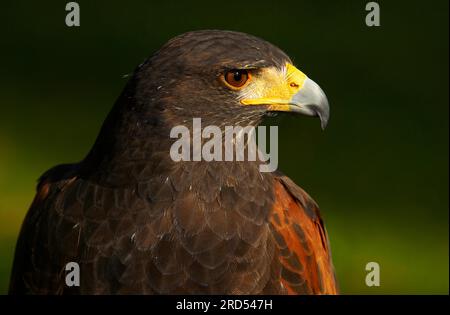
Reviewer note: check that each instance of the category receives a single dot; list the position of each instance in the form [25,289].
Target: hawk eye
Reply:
[237,78]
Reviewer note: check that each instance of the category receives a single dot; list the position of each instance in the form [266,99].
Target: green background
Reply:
[379,171]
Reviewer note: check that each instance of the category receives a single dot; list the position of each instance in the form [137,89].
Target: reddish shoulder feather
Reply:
[302,240]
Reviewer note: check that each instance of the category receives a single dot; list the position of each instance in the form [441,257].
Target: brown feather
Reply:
[302,240]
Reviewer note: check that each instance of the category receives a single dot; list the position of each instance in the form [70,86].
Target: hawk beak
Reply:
[289,90]
[310,100]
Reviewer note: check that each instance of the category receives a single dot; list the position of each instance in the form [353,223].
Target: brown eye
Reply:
[237,78]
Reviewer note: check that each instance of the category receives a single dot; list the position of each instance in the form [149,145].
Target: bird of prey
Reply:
[137,222]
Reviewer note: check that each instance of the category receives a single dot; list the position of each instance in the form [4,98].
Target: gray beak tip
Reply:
[324,115]
[312,101]
[323,125]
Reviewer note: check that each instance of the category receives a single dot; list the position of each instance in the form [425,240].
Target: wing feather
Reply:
[299,232]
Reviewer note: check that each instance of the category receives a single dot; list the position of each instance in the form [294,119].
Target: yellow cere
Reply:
[274,87]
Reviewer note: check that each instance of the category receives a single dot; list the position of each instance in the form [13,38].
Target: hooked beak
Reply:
[310,100]
[292,91]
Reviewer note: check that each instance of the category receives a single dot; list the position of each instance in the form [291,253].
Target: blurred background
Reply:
[379,171]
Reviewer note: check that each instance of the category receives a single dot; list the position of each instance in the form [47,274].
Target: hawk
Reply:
[138,222]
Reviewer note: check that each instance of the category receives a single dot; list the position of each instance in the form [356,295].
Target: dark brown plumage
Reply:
[139,223]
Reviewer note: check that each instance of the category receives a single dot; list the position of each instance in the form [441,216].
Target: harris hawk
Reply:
[138,222]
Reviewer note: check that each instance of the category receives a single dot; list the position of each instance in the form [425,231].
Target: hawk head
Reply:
[226,77]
